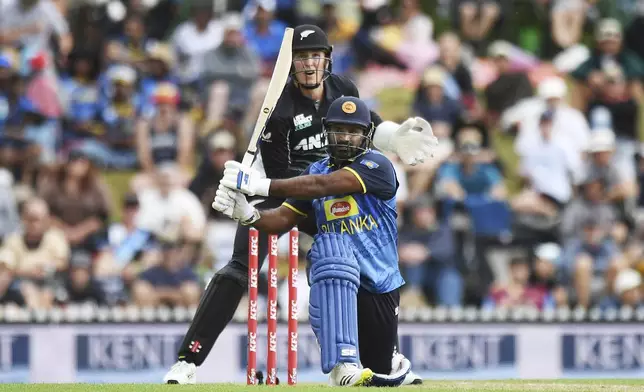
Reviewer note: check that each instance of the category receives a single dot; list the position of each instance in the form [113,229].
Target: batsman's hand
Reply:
[414,141]
[234,205]
[245,179]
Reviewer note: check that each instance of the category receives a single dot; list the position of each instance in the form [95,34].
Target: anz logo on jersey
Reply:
[310,143]
[343,216]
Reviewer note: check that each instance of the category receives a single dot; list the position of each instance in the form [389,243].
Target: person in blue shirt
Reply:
[351,193]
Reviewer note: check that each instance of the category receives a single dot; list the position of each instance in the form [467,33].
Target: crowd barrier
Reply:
[131,353]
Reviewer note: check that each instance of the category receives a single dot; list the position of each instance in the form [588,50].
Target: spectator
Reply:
[170,211]
[547,273]
[10,294]
[518,292]
[130,48]
[80,285]
[567,21]
[451,58]
[627,291]
[590,76]
[38,253]
[118,114]
[433,104]
[220,231]
[9,216]
[467,176]
[263,33]
[166,137]
[547,171]
[230,72]
[591,260]
[194,38]
[477,18]
[591,201]
[171,283]
[159,65]
[79,201]
[427,258]
[619,181]
[508,88]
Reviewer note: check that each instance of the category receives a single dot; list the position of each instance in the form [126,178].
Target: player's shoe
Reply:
[181,372]
[412,379]
[349,375]
[398,363]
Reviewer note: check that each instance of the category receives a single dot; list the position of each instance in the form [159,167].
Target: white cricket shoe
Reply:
[181,372]
[349,375]
[400,363]
[412,379]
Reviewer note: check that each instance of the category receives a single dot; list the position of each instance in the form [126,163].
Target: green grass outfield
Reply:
[437,386]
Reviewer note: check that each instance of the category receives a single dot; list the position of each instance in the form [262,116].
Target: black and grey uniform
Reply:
[292,140]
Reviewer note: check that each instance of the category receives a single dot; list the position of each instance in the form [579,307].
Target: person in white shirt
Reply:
[194,38]
[570,128]
[170,211]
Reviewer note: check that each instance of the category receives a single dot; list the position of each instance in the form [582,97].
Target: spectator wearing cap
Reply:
[80,287]
[508,88]
[619,180]
[10,294]
[427,258]
[127,251]
[264,33]
[570,128]
[80,201]
[590,201]
[38,252]
[166,137]
[433,104]
[80,97]
[169,210]
[117,117]
[231,72]
[171,283]
[591,260]
[547,272]
[194,38]
[467,176]
[627,291]
[159,67]
[590,76]
[548,173]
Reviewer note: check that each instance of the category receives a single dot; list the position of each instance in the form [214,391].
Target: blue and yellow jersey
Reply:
[368,218]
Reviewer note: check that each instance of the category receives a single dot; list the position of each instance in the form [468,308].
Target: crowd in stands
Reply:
[116,118]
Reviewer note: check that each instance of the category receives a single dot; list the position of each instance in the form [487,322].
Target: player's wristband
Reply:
[251,219]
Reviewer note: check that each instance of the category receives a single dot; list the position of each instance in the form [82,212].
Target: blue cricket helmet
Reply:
[350,111]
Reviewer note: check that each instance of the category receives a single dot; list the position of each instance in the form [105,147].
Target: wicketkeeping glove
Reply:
[413,141]
[245,179]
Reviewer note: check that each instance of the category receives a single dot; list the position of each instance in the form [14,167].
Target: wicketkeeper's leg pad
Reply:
[333,300]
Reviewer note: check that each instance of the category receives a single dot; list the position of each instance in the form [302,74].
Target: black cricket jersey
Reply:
[292,139]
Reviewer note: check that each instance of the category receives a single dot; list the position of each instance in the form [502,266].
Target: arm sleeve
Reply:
[301,207]
[275,149]
[376,175]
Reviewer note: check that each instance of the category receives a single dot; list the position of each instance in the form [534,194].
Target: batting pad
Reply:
[333,300]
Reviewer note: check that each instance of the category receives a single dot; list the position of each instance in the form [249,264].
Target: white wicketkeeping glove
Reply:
[234,205]
[245,179]
[413,141]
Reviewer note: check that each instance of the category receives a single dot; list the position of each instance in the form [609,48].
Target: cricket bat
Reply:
[275,87]
[280,75]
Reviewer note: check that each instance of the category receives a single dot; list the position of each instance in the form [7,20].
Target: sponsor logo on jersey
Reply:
[300,121]
[340,208]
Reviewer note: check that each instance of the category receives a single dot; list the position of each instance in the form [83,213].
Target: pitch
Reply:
[435,386]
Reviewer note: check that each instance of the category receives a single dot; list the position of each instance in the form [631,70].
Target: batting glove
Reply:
[245,179]
[234,205]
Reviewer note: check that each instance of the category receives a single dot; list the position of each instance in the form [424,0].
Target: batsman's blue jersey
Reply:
[367,218]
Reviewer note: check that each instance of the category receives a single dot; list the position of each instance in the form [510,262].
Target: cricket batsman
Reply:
[291,141]
[354,272]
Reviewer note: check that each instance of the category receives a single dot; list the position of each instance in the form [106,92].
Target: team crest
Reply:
[368,163]
[349,107]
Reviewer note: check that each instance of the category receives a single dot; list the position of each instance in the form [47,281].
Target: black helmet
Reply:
[307,38]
